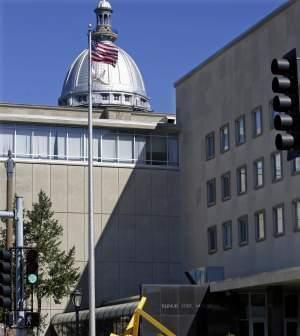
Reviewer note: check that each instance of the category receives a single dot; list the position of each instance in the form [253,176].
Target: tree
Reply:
[57,273]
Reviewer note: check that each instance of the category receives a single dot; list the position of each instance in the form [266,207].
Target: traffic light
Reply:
[5,279]
[32,266]
[287,103]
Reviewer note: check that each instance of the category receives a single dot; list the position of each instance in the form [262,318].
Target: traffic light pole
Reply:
[19,269]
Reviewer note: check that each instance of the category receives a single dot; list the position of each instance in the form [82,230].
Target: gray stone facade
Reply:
[233,83]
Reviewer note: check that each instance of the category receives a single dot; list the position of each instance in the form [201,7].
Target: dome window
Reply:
[104,96]
[116,97]
[128,98]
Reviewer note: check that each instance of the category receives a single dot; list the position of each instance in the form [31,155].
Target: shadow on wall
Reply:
[137,233]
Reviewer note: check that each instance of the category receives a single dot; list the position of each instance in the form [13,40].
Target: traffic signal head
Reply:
[5,279]
[32,266]
[287,103]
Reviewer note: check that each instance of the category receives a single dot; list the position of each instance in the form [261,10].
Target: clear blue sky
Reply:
[167,38]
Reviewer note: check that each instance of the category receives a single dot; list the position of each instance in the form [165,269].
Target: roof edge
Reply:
[237,39]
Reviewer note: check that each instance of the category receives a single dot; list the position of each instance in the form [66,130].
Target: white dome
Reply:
[104,4]
[119,85]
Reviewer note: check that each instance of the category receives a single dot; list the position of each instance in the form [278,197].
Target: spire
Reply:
[104,31]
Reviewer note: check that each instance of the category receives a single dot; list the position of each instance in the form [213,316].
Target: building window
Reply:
[173,151]
[212,239]
[257,122]
[296,165]
[211,192]
[7,135]
[125,148]
[243,230]
[105,96]
[259,173]
[116,97]
[227,235]
[159,150]
[241,180]
[273,113]
[260,228]
[296,208]
[210,146]
[23,141]
[127,99]
[109,146]
[276,159]
[240,131]
[225,185]
[278,217]
[224,138]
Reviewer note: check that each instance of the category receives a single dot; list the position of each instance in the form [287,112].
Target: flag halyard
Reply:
[103,52]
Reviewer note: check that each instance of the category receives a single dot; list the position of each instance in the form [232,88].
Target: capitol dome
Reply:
[119,85]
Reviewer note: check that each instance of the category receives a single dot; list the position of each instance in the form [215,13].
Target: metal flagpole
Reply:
[92,321]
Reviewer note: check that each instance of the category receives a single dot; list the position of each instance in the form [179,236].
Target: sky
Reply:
[39,39]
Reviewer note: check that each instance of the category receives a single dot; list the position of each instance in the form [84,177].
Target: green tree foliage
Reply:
[57,273]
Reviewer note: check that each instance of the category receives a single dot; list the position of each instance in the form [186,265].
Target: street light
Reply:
[76,298]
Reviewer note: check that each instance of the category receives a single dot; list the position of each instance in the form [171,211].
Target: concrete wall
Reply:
[137,226]
[233,83]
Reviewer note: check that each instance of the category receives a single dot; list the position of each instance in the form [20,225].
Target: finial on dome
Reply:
[104,31]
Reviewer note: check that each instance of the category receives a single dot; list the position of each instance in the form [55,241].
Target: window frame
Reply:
[255,180]
[293,166]
[224,225]
[273,166]
[206,146]
[237,128]
[271,113]
[294,214]
[256,221]
[275,226]
[212,229]
[244,242]
[238,180]
[225,198]
[210,204]
[221,138]
[254,128]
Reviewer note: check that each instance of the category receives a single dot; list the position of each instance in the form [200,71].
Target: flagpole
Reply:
[92,320]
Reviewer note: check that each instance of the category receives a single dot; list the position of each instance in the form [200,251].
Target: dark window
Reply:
[127,98]
[210,146]
[241,180]
[296,165]
[260,227]
[211,192]
[159,150]
[243,230]
[225,185]
[212,239]
[116,97]
[296,206]
[240,130]
[272,113]
[276,166]
[257,122]
[278,217]
[259,173]
[224,138]
[227,235]
[105,96]
[291,306]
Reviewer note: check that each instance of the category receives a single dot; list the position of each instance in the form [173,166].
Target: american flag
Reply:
[103,52]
